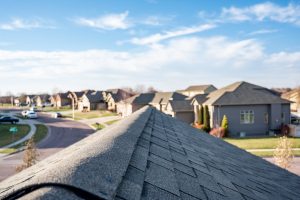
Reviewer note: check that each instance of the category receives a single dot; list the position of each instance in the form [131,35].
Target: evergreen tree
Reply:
[206,119]
[224,124]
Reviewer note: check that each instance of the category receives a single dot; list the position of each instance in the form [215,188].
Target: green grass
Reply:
[260,143]
[53,109]
[90,115]
[270,153]
[111,122]
[5,105]
[6,137]
[40,134]
[98,126]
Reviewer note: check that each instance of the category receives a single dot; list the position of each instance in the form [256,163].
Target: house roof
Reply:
[243,93]
[181,105]
[119,94]
[200,98]
[291,93]
[95,97]
[150,155]
[198,87]
[141,99]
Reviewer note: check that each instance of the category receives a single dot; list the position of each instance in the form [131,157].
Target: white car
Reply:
[31,115]
[24,113]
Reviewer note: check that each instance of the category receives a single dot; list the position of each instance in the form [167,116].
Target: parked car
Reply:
[56,115]
[23,104]
[24,113]
[34,109]
[31,115]
[8,119]
[47,105]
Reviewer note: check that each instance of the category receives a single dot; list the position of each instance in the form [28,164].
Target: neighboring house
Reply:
[114,96]
[92,101]
[181,109]
[251,109]
[6,99]
[62,100]
[76,96]
[30,100]
[41,99]
[148,156]
[20,100]
[198,89]
[294,97]
[159,100]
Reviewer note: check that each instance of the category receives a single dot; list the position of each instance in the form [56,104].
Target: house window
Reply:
[282,117]
[247,117]
[266,118]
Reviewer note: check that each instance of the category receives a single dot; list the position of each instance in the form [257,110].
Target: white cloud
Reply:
[156,20]
[216,60]
[152,39]
[263,31]
[24,24]
[111,21]
[264,11]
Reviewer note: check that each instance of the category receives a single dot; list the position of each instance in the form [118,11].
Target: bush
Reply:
[283,155]
[200,115]
[206,119]
[224,124]
[218,132]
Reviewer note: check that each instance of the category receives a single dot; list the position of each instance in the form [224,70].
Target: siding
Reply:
[187,117]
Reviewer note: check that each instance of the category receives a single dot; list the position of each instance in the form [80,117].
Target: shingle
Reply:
[139,158]
[129,190]
[159,142]
[162,178]
[160,161]
[189,185]
[180,158]
[160,151]
[185,169]
[208,182]
[134,175]
[185,196]
[151,192]
[211,195]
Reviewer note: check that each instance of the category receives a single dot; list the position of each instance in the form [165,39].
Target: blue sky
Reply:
[74,45]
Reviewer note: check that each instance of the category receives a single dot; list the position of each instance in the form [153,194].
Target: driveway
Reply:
[62,133]
[295,167]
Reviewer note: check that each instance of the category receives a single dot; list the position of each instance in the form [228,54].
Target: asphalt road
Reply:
[62,134]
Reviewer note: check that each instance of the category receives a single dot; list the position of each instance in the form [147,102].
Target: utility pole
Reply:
[73,108]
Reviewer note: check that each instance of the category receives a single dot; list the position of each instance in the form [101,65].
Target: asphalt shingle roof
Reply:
[95,97]
[198,87]
[181,105]
[150,155]
[243,93]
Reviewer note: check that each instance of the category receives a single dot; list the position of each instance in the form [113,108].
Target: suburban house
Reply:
[6,99]
[39,100]
[114,96]
[294,97]
[159,100]
[30,99]
[150,155]
[92,101]
[250,109]
[181,109]
[62,100]
[76,96]
[198,89]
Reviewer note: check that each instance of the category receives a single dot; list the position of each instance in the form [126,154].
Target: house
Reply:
[198,89]
[250,109]
[41,99]
[181,109]
[294,97]
[76,96]
[114,96]
[92,101]
[30,99]
[150,155]
[62,100]
[159,100]
[6,99]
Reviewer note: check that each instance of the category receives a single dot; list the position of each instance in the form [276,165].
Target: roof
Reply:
[243,93]
[200,98]
[198,87]
[141,99]
[95,97]
[119,94]
[181,105]
[291,93]
[64,95]
[150,155]
[164,97]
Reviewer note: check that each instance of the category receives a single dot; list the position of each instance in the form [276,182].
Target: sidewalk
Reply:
[100,120]
[260,150]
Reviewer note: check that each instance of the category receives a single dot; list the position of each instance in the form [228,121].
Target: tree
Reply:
[224,124]
[200,115]
[283,153]
[206,119]
[139,89]
[151,89]
[30,156]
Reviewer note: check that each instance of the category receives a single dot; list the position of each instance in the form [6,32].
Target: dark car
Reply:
[8,119]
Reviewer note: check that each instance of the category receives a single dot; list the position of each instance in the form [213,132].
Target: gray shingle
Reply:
[160,151]
[162,178]
[139,158]
[151,192]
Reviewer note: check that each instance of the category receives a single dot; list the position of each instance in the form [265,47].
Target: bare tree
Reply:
[151,89]
[30,156]
[283,153]
[140,88]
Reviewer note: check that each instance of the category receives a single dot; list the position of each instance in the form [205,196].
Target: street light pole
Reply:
[73,108]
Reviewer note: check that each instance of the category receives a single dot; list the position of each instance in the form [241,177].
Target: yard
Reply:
[40,134]
[90,115]
[53,109]
[6,137]
[264,145]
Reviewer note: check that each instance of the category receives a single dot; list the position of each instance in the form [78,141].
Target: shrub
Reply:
[283,153]
[206,119]
[30,156]
[200,115]
[224,124]
[218,132]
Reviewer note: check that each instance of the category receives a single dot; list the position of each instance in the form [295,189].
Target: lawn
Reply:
[111,122]
[260,143]
[40,134]
[6,137]
[90,115]
[270,153]
[53,109]
[5,105]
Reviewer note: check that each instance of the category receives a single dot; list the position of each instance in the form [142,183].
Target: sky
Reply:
[93,44]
